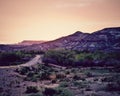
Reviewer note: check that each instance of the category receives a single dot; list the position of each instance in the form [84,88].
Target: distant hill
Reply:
[30,42]
[107,39]
[19,46]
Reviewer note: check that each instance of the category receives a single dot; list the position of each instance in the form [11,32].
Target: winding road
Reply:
[37,59]
[34,61]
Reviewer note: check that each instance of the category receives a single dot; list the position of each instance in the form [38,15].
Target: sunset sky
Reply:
[50,19]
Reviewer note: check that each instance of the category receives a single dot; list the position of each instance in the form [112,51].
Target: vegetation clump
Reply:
[113,86]
[57,92]
[14,58]
[31,89]
[85,58]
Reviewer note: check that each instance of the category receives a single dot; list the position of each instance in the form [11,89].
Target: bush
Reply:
[49,92]
[39,94]
[24,70]
[1,89]
[60,75]
[73,58]
[9,58]
[112,79]
[76,77]
[64,92]
[61,57]
[80,84]
[31,89]
[113,87]
[89,74]
[13,58]
[44,75]
[57,92]
[54,81]
[30,74]
[84,59]
[63,84]
[67,72]
[33,79]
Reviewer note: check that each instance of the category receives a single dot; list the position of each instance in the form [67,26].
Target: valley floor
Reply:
[81,81]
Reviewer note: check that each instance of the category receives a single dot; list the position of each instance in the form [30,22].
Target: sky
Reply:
[50,19]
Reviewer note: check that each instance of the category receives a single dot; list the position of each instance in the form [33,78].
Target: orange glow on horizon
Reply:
[50,19]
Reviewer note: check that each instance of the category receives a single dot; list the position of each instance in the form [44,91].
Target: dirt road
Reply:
[37,59]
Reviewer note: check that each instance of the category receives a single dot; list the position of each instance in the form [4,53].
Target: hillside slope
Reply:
[107,39]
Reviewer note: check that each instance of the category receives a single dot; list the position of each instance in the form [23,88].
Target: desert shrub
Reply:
[44,75]
[112,79]
[63,84]
[38,94]
[84,59]
[52,76]
[65,80]
[64,92]
[60,75]
[74,70]
[49,92]
[41,72]
[54,81]
[31,89]
[88,88]
[116,68]
[67,72]
[94,94]
[1,89]
[76,83]
[76,77]
[73,58]
[33,78]
[13,58]
[107,79]
[30,74]
[33,52]
[96,79]
[80,84]
[24,70]
[57,92]
[89,74]
[8,58]
[113,87]
[60,57]
[98,58]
